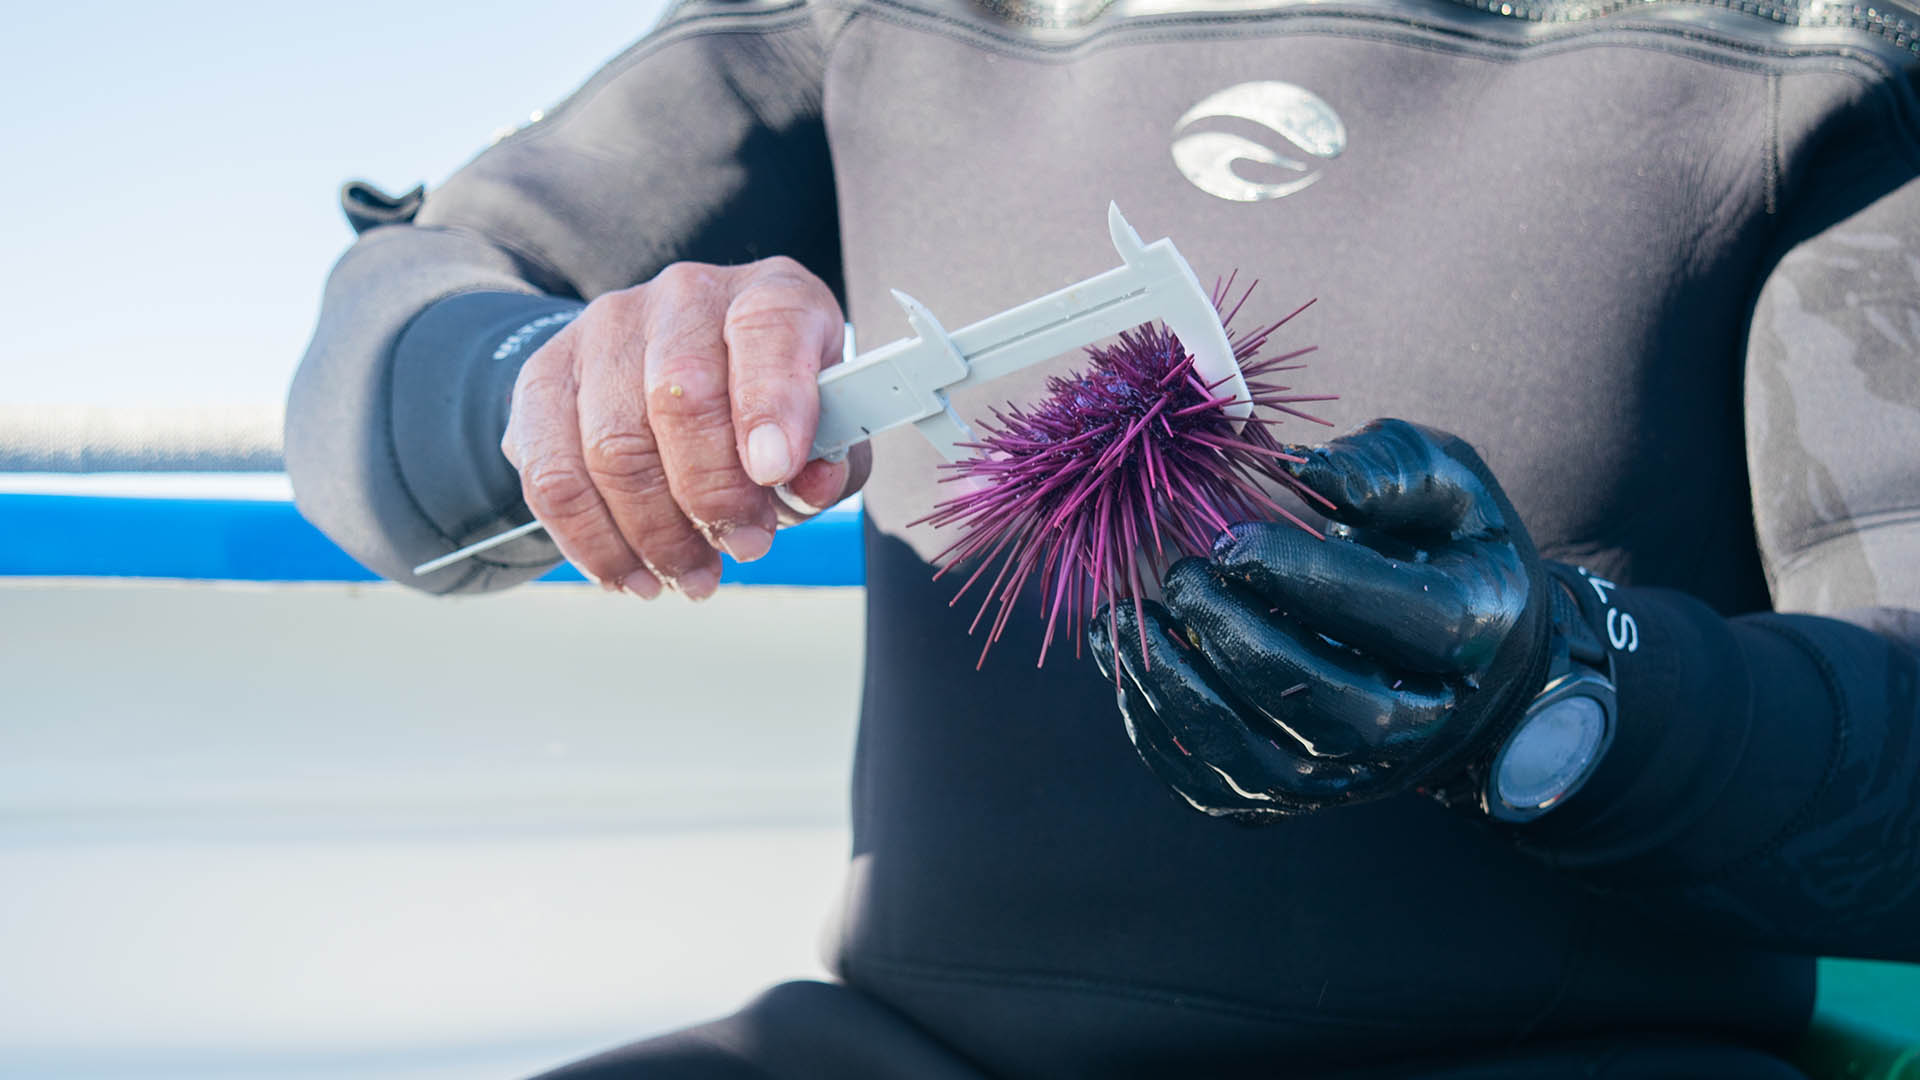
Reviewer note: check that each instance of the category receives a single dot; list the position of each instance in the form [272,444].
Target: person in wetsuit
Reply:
[1652,267]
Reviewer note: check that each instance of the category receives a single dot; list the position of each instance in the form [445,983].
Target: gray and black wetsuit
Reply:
[1659,262]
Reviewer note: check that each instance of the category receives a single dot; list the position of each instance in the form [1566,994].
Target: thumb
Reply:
[821,484]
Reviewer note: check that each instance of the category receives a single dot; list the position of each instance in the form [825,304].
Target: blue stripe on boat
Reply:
[252,540]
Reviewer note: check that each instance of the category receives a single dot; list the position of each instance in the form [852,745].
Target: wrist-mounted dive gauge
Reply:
[1566,730]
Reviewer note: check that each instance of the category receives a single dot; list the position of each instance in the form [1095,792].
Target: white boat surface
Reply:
[333,829]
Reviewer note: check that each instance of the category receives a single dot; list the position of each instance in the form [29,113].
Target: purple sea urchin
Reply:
[1133,460]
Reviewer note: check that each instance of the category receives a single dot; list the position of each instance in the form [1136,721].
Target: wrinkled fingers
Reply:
[689,408]
[624,460]
[543,442]
[782,326]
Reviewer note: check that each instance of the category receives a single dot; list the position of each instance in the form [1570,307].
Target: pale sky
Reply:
[170,170]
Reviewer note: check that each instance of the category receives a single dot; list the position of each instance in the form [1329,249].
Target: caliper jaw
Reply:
[900,382]
[908,381]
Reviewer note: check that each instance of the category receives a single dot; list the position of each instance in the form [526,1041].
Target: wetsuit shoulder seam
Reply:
[674,29]
[1820,536]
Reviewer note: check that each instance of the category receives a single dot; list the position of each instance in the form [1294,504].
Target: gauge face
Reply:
[1548,757]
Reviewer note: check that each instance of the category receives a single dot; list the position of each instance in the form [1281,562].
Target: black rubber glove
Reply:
[1287,674]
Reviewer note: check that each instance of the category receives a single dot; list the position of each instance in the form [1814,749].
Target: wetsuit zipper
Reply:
[1903,33]
[1896,27]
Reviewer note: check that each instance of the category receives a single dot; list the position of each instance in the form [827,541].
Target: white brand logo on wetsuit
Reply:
[1301,120]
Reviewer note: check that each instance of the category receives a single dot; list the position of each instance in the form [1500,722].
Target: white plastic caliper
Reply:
[908,381]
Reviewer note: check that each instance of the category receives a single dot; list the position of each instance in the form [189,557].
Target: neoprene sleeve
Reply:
[451,387]
[1761,783]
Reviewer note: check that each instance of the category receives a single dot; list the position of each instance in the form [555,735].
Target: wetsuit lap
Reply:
[814,1030]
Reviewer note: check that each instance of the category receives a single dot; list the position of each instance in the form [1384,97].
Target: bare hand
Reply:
[652,430]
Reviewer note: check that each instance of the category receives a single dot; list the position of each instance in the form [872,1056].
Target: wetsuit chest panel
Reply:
[1595,359]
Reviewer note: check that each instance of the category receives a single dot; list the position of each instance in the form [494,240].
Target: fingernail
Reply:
[699,584]
[641,584]
[746,542]
[767,457]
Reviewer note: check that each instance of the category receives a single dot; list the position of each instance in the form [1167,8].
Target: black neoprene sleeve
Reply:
[1762,781]
[451,387]
[433,443]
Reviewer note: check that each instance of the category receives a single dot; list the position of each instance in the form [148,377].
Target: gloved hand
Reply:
[1286,674]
